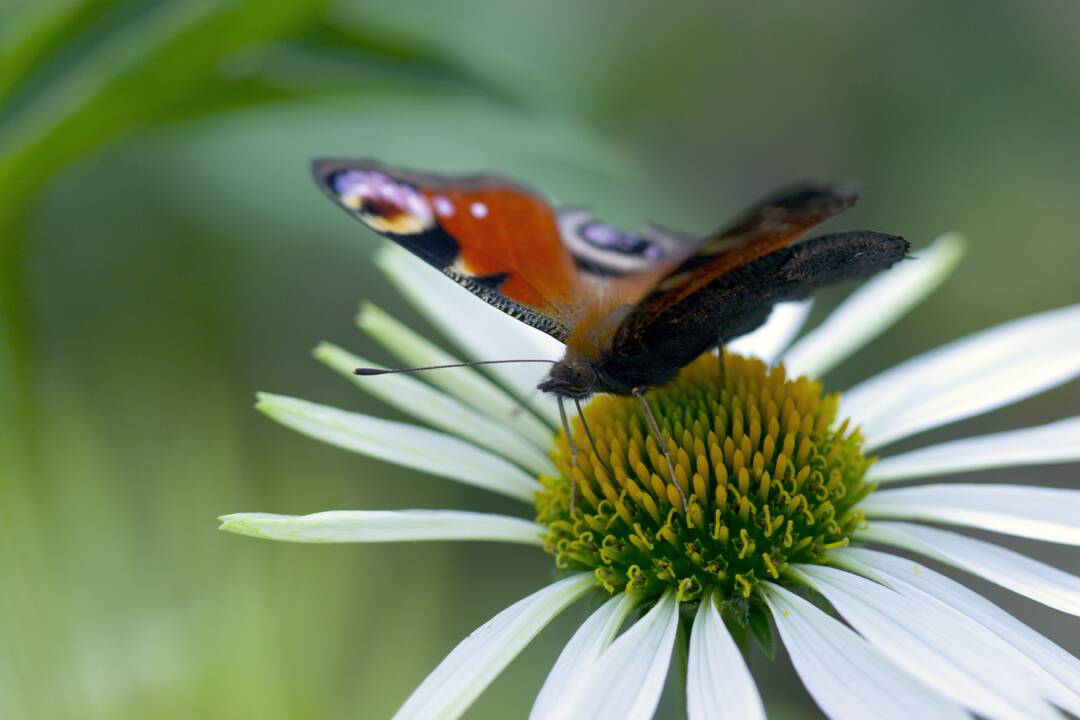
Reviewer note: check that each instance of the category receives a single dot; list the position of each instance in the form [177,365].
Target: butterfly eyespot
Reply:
[609,237]
[382,203]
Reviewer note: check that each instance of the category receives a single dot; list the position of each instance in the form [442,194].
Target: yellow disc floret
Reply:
[770,478]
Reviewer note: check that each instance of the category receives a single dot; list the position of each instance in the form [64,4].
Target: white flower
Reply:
[915,644]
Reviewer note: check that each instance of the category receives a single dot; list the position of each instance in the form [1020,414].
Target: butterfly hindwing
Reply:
[650,351]
[605,252]
[499,240]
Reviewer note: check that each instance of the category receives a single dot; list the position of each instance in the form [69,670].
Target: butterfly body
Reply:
[632,308]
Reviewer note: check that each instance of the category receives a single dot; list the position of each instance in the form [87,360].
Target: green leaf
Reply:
[38,30]
[137,75]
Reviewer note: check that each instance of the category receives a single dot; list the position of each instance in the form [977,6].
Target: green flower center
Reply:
[769,476]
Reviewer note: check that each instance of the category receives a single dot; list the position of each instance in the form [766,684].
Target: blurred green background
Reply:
[165,255]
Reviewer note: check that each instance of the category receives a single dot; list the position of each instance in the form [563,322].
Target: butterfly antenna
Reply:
[573,453]
[365,372]
[639,393]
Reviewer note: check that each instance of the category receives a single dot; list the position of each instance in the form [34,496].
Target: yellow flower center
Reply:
[769,476]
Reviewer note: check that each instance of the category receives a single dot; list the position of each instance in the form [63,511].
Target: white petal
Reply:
[626,681]
[958,659]
[901,574]
[718,683]
[480,330]
[1011,570]
[470,667]
[401,443]
[338,526]
[1040,513]
[571,670]
[466,384]
[968,377]
[438,410]
[846,676]
[873,308]
[1052,443]
[769,340]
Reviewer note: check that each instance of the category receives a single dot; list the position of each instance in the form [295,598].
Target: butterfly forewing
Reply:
[499,240]
[650,351]
[772,224]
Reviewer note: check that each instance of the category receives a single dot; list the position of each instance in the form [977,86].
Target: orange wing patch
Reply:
[507,231]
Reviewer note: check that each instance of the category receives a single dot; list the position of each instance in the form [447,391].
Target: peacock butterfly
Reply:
[633,308]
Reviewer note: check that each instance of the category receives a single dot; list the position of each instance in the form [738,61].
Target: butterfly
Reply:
[632,308]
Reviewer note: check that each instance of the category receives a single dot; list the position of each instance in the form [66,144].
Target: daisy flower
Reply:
[794,529]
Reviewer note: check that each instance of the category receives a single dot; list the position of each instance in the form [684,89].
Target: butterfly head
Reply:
[571,378]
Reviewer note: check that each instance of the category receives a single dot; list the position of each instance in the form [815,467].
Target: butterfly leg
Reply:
[639,393]
[588,432]
[573,454]
[720,350]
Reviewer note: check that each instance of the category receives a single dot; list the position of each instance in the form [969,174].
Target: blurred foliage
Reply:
[164,256]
